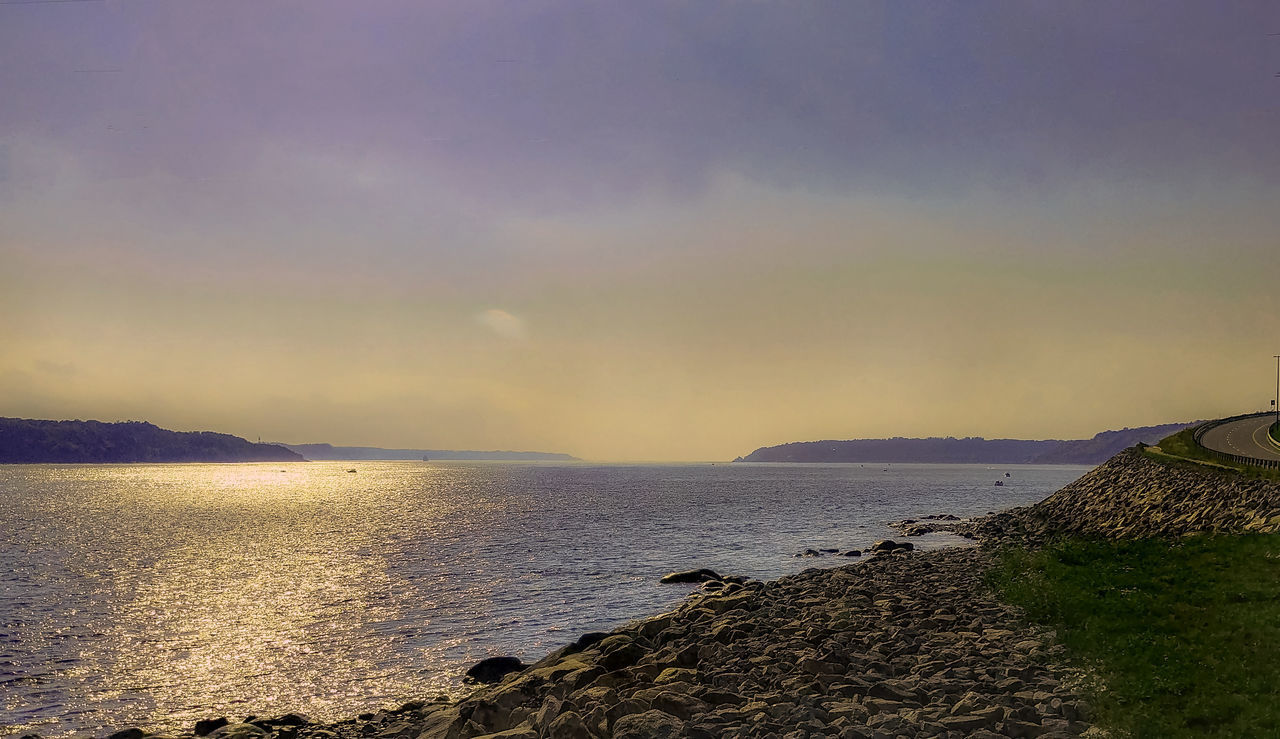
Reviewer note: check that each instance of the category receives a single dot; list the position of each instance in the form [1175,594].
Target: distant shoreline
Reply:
[34,441]
[38,441]
[329,452]
[970,450]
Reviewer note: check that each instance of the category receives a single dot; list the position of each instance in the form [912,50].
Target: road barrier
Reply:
[1200,430]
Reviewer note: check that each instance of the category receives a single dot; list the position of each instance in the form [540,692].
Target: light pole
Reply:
[1276,402]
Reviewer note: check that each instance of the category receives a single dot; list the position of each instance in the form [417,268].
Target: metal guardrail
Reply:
[1200,430]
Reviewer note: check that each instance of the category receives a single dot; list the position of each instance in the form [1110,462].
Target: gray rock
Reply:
[648,725]
[623,655]
[569,725]
[519,732]
[678,704]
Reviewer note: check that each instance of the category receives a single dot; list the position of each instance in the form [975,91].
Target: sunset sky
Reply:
[638,231]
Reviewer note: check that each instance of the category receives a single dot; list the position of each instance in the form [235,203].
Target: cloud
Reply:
[563,104]
[503,323]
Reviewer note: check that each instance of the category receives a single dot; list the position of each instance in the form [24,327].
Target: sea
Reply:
[157,595]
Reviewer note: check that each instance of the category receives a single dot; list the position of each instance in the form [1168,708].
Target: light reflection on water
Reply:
[155,595]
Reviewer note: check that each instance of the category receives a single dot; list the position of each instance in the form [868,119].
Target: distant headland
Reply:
[329,452]
[31,441]
[971,450]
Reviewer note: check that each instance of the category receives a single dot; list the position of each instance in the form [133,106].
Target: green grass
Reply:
[1184,636]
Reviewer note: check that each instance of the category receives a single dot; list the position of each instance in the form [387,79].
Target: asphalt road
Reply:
[1248,436]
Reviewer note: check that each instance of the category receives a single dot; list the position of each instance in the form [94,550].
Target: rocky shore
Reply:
[901,644]
[1131,496]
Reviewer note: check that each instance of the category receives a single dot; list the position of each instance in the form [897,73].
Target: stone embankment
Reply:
[900,645]
[1131,496]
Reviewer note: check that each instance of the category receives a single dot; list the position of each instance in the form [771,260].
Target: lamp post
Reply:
[1276,402]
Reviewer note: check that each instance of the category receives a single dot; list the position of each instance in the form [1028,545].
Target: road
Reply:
[1248,436]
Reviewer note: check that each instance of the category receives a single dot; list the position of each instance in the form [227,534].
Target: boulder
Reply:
[239,731]
[620,655]
[520,732]
[678,704]
[206,726]
[676,674]
[569,725]
[889,545]
[590,638]
[651,724]
[694,576]
[493,669]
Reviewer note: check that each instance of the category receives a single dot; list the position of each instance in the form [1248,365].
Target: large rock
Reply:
[520,732]
[206,726]
[694,576]
[648,725]
[569,725]
[239,731]
[493,669]
[889,545]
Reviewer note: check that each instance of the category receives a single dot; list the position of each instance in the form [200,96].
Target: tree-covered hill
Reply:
[29,441]
[973,450]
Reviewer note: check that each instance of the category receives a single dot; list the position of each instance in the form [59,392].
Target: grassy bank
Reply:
[1184,636]
[1182,449]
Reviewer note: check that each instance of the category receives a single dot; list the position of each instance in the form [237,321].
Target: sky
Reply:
[638,231]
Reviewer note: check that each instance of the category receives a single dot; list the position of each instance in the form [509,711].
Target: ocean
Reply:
[156,595]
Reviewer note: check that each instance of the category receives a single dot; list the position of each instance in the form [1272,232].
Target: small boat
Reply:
[1007,475]
[999,483]
[350,470]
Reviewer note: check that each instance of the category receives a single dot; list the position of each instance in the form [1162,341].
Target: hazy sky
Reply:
[638,230]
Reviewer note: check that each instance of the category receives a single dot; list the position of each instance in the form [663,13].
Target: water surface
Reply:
[154,595]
